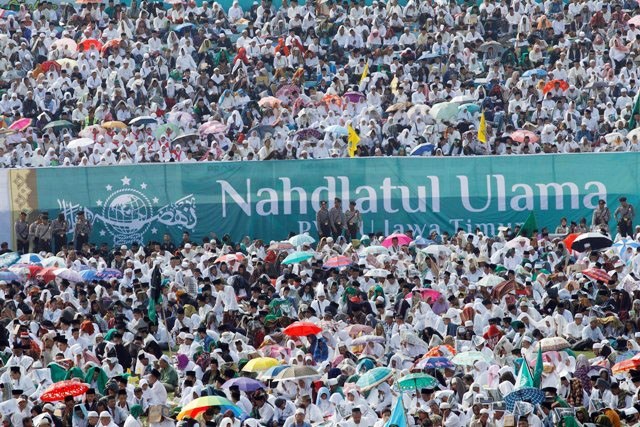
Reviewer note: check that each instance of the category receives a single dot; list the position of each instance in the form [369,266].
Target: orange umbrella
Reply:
[552,85]
[110,43]
[568,241]
[332,99]
[88,44]
[626,365]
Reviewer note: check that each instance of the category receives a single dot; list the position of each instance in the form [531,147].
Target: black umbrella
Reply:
[591,241]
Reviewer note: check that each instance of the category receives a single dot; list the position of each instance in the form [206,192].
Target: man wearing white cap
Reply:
[106,420]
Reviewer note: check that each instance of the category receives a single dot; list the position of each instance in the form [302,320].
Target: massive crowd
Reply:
[99,83]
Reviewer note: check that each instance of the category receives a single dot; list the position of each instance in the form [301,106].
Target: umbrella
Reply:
[260,364]
[403,239]
[58,391]
[297,257]
[210,128]
[568,241]
[337,262]
[68,274]
[552,84]
[468,358]
[185,138]
[444,350]
[54,261]
[182,27]
[80,143]
[296,373]
[471,108]
[262,130]
[109,273]
[613,137]
[181,117]
[64,43]
[521,134]
[486,46]
[91,131]
[364,339]
[518,241]
[526,394]
[111,43]
[88,44]
[302,329]
[535,72]
[269,102]
[354,97]
[20,124]
[244,384]
[8,276]
[444,111]
[434,363]
[400,106]
[114,124]
[625,243]
[593,241]
[626,365]
[355,330]
[67,63]
[301,239]
[88,275]
[30,259]
[169,130]
[47,274]
[143,120]
[201,404]
[421,149]
[463,99]
[490,280]
[374,377]
[377,272]
[553,344]
[503,289]
[597,274]
[288,91]
[48,65]
[417,381]
[280,246]
[337,130]
[418,109]
[635,132]
[426,294]
[635,21]
[229,258]
[270,373]
[25,269]
[58,125]
[375,250]
[436,250]
[8,259]
[309,133]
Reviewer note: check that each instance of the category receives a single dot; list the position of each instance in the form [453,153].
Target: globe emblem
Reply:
[126,214]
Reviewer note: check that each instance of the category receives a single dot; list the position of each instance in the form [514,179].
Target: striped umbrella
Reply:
[374,377]
[201,404]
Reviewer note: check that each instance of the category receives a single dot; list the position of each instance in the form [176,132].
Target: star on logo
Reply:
[155,200]
[102,233]
[143,186]
[109,187]
[126,181]
[99,202]
[154,230]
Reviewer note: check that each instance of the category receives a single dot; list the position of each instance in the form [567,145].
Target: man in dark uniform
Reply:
[624,217]
[81,231]
[323,221]
[59,228]
[337,219]
[352,216]
[21,229]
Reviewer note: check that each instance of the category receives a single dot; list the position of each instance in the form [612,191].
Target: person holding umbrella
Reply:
[624,217]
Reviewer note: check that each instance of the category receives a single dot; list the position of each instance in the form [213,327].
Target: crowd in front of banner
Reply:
[100,83]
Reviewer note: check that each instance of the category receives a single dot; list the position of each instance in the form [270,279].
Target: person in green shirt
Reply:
[110,10]
[168,375]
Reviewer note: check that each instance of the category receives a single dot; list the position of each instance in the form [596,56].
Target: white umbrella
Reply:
[490,281]
[514,243]
[436,250]
[462,99]
[635,132]
[375,250]
[612,137]
[54,261]
[418,110]
[68,274]
[377,272]
[80,143]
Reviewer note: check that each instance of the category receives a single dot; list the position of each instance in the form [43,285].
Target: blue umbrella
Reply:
[528,394]
[536,71]
[109,273]
[625,243]
[271,373]
[471,108]
[9,259]
[301,239]
[8,276]
[337,130]
[180,28]
[297,257]
[435,363]
[244,384]
[373,377]
[422,149]
[88,275]
[30,259]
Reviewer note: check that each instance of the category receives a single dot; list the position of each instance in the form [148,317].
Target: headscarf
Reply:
[136,411]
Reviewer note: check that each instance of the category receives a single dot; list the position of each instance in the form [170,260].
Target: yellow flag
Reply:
[482,129]
[365,72]
[353,139]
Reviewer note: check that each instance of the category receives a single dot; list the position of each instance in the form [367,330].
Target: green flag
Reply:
[529,226]
[524,380]
[156,293]
[636,110]
[537,372]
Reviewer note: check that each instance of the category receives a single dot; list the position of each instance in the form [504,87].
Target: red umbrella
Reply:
[33,269]
[597,274]
[338,261]
[110,43]
[403,239]
[302,329]
[521,134]
[552,84]
[568,241]
[626,365]
[58,391]
[48,65]
[88,44]
[47,274]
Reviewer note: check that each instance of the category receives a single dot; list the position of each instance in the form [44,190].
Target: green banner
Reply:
[271,199]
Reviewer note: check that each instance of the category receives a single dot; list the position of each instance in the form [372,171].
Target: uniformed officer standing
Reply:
[322,220]
[81,231]
[59,228]
[21,228]
[337,219]
[353,218]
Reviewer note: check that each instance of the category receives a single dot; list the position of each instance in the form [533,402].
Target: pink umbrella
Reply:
[425,294]
[338,261]
[403,239]
[635,21]
[230,257]
[520,134]
[212,127]
[21,124]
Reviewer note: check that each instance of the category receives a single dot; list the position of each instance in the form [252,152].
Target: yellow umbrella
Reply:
[113,125]
[260,364]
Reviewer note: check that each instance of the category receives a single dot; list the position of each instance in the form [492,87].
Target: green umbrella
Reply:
[468,358]
[58,125]
[417,381]
[297,257]
[162,130]
[373,377]
[444,111]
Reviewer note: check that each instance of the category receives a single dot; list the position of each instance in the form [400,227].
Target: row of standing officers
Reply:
[43,235]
